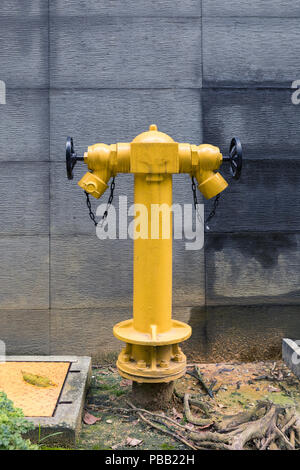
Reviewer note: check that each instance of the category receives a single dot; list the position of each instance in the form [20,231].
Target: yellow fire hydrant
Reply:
[152,353]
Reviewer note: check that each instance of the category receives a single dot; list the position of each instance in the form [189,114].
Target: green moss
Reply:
[53,448]
[112,389]
[280,399]
[105,387]
[99,447]
[166,446]
[118,393]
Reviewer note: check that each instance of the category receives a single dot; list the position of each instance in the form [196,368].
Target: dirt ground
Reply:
[231,388]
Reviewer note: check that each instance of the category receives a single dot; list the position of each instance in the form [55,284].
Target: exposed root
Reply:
[195,402]
[292,438]
[289,420]
[192,418]
[265,426]
[205,445]
[297,426]
[174,435]
[260,433]
[207,389]
[254,430]
[229,423]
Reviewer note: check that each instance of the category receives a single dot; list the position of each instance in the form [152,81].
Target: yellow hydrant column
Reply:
[152,268]
[152,354]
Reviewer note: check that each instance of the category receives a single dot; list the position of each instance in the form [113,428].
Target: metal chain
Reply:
[111,196]
[109,202]
[214,208]
[213,211]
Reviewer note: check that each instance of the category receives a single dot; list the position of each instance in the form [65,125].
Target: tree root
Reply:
[213,446]
[195,402]
[192,418]
[266,426]
[263,433]
[290,419]
[237,439]
[256,429]
[174,435]
[229,423]
[276,429]
[207,389]
[297,426]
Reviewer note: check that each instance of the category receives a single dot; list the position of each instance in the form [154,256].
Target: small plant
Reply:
[41,439]
[12,427]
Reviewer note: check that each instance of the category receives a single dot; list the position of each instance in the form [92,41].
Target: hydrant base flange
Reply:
[157,380]
[126,332]
[151,364]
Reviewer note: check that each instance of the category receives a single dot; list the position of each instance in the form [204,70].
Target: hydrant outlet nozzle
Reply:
[93,184]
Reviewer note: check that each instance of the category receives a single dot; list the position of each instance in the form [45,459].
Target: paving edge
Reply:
[291,355]
[68,414]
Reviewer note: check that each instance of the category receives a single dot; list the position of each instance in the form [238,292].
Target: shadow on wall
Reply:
[252,269]
[264,248]
[242,333]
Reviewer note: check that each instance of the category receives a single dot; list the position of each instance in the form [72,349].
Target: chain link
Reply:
[111,196]
[214,208]
[109,202]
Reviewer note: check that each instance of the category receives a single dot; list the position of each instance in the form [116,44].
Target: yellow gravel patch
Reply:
[32,399]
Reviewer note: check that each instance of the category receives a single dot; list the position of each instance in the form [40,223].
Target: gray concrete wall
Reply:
[103,71]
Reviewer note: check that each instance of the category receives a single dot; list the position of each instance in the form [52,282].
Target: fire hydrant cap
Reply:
[153,136]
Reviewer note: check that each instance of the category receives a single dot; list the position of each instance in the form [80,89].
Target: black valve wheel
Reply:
[235,158]
[71,158]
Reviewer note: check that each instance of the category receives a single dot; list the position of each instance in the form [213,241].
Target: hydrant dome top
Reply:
[153,136]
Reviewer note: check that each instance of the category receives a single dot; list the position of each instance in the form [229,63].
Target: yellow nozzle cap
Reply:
[213,185]
[93,185]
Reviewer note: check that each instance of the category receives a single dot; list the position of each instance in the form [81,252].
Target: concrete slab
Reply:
[291,355]
[66,419]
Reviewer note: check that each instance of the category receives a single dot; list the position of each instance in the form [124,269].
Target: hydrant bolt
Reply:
[178,358]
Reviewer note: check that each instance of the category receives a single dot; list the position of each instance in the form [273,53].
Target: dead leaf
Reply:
[190,426]
[204,427]
[176,414]
[133,442]
[37,380]
[116,446]
[88,418]
[273,389]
